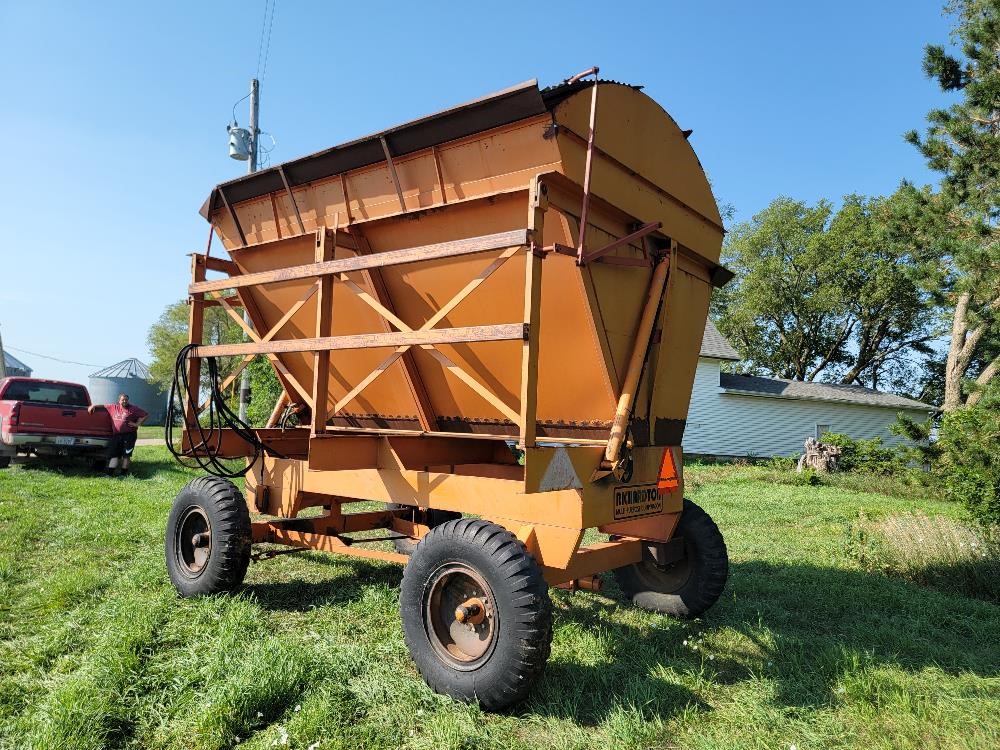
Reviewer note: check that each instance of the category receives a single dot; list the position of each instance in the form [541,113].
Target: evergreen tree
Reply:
[963,143]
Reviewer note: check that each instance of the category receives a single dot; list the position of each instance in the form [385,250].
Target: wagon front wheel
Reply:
[208,537]
[476,613]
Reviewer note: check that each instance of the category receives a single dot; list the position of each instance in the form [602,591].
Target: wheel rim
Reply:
[460,616]
[194,541]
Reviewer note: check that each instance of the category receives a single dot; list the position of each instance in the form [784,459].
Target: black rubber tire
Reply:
[686,588]
[430,517]
[521,609]
[222,504]
[4,462]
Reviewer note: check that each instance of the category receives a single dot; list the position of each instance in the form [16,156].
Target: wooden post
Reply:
[196,332]
[325,245]
[537,204]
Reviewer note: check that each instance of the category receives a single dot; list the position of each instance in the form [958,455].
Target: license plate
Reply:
[637,500]
[65,441]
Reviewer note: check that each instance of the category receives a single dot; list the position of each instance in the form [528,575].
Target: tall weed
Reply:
[933,551]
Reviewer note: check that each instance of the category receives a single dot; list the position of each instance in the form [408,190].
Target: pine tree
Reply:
[963,143]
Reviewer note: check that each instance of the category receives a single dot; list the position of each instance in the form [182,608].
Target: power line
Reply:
[54,359]
[267,50]
[265,24]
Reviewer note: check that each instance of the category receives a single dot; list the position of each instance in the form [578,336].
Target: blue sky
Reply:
[113,118]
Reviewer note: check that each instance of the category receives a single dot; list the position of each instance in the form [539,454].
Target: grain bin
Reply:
[489,320]
[132,377]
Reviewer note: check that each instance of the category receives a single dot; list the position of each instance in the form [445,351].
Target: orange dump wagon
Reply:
[489,320]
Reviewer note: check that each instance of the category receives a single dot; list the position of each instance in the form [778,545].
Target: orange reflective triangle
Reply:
[669,481]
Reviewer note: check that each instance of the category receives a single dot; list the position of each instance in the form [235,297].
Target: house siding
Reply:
[728,424]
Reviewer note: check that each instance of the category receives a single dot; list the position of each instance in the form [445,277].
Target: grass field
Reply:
[150,431]
[805,649]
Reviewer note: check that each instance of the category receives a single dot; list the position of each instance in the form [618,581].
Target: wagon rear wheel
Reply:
[476,613]
[208,537]
[689,586]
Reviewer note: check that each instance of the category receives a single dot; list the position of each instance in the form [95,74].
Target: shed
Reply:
[130,376]
[754,417]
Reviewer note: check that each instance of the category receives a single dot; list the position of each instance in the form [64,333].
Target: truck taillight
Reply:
[14,415]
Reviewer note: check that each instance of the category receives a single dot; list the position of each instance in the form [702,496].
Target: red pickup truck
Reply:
[50,417]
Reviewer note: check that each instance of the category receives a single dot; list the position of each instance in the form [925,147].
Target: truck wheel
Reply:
[690,586]
[208,537]
[4,462]
[430,517]
[476,613]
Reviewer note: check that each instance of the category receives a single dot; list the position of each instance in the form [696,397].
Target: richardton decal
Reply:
[637,500]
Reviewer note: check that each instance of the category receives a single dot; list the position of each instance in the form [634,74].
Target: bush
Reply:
[864,455]
[933,551]
[969,463]
[264,391]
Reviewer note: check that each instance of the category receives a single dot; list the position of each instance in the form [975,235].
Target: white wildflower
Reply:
[298,706]
[313,746]
[685,643]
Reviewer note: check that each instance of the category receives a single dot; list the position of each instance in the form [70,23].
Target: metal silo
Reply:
[132,377]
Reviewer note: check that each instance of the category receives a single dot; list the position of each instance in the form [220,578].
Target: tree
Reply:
[963,143]
[888,311]
[781,310]
[827,295]
[169,334]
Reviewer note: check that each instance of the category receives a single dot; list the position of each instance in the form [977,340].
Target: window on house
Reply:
[820,429]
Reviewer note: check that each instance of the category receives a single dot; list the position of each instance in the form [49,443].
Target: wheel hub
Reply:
[194,537]
[459,616]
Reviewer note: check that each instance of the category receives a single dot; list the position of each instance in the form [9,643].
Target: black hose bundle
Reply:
[204,451]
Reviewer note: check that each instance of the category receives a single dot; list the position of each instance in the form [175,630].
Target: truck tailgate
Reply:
[59,419]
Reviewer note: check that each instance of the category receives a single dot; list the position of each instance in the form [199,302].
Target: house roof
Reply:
[797,389]
[13,363]
[715,346]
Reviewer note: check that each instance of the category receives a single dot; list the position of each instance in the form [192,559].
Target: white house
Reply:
[744,416]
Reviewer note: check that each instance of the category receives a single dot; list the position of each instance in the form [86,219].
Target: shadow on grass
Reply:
[814,625]
[85,467]
[354,576]
[802,627]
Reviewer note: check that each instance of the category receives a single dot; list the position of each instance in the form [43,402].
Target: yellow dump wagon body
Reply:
[432,182]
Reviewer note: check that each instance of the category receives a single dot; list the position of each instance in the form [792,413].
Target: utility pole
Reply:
[251,168]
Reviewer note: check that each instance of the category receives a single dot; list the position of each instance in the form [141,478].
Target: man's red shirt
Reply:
[121,415]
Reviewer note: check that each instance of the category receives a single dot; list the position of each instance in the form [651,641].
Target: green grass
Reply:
[806,648]
[151,431]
